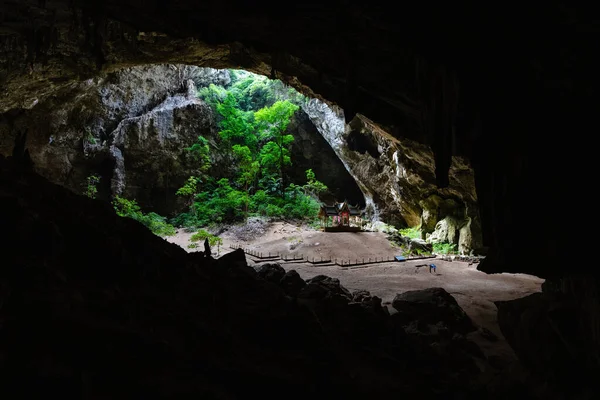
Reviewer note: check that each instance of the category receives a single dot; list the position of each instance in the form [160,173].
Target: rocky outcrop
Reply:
[447,87]
[144,318]
[153,147]
[311,150]
[432,306]
[131,128]
[556,333]
[397,178]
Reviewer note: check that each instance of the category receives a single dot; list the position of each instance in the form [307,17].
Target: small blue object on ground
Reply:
[432,267]
[400,258]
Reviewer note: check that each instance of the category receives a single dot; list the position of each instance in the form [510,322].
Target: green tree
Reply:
[248,169]
[236,125]
[212,94]
[313,186]
[189,190]
[272,123]
[130,209]
[201,153]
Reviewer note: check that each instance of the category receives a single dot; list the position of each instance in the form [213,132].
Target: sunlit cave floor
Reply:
[474,290]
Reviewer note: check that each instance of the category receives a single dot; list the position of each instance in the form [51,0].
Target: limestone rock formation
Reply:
[130,127]
[494,85]
[397,178]
[311,150]
[133,126]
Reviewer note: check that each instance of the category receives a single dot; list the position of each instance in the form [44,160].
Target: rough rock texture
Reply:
[511,88]
[131,128]
[292,283]
[143,318]
[397,178]
[271,272]
[311,150]
[430,307]
[399,174]
[458,87]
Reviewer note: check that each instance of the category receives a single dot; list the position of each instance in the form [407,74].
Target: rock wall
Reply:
[311,150]
[397,178]
[130,127]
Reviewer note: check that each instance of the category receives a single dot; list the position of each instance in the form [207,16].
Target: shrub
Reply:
[413,233]
[91,188]
[130,209]
[202,235]
[444,248]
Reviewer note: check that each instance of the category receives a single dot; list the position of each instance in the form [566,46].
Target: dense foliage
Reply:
[253,114]
[154,222]
[444,248]
[413,233]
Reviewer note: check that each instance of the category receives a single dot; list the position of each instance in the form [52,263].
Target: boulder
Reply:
[360,296]
[271,272]
[431,306]
[313,291]
[236,258]
[234,263]
[421,245]
[331,285]
[292,283]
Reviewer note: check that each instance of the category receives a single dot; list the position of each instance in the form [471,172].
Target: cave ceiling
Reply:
[472,80]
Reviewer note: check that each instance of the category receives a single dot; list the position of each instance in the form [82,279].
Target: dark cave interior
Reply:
[513,88]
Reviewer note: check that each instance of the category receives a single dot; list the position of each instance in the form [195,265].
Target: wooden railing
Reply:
[357,262]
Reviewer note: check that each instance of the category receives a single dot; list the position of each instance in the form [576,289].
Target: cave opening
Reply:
[505,91]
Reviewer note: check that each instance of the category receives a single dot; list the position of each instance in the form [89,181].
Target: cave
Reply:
[510,89]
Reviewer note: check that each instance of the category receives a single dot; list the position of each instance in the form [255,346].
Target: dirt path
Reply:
[475,291]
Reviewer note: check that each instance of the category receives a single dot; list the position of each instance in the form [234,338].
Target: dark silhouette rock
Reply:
[330,285]
[431,306]
[555,337]
[144,318]
[271,272]
[360,296]
[292,283]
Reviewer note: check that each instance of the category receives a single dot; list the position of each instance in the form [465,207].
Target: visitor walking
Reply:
[432,267]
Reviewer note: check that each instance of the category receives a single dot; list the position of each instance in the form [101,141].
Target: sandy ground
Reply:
[474,291]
